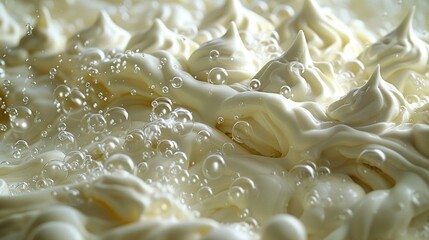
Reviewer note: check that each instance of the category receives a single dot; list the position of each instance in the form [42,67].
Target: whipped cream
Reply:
[232,120]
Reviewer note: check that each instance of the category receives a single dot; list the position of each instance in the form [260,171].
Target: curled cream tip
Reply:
[298,51]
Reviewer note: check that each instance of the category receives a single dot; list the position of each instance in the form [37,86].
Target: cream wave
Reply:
[224,60]
[403,58]
[9,28]
[159,37]
[327,36]
[104,34]
[376,101]
[213,25]
[297,77]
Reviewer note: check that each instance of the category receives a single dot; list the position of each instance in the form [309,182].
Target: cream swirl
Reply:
[159,37]
[104,34]
[297,77]
[9,28]
[376,101]
[216,21]
[326,34]
[401,55]
[46,37]
[227,52]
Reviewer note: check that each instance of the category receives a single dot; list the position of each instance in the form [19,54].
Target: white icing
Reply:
[104,34]
[215,22]
[327,35]
[402,55]
[376,101]
[227,52]
[9,28]
[159,37]
[297,77]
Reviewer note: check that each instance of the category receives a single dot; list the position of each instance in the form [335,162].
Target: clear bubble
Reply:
[29,28]
[183,121]
[142,170]
[242,131]
[152,131]
[133,92]
[52,73]
[74,101]
[245,183]
[165,89]
[181,159]
[65,142]
[116,116]
[204,193]
[91,56]
[373,157]
[110,145]
[297,68]
[21,118]
[286,91]
[217,75]
[214,166]
[120,162]
[167,148]
[214,55]
[134,141]
[254,84]
[55,170]
[96,123]
[203,137]
[176,82]
[75,161]
[323,171]
[236,196]
[302,175]
[162,110]
[21,149]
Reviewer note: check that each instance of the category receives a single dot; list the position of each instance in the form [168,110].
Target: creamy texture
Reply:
[232,120]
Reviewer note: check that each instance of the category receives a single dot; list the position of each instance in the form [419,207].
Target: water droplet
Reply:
[176,82]
[254,84]
[217,75]
[242,131]
[55,170]
[214,166]
[214,55]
